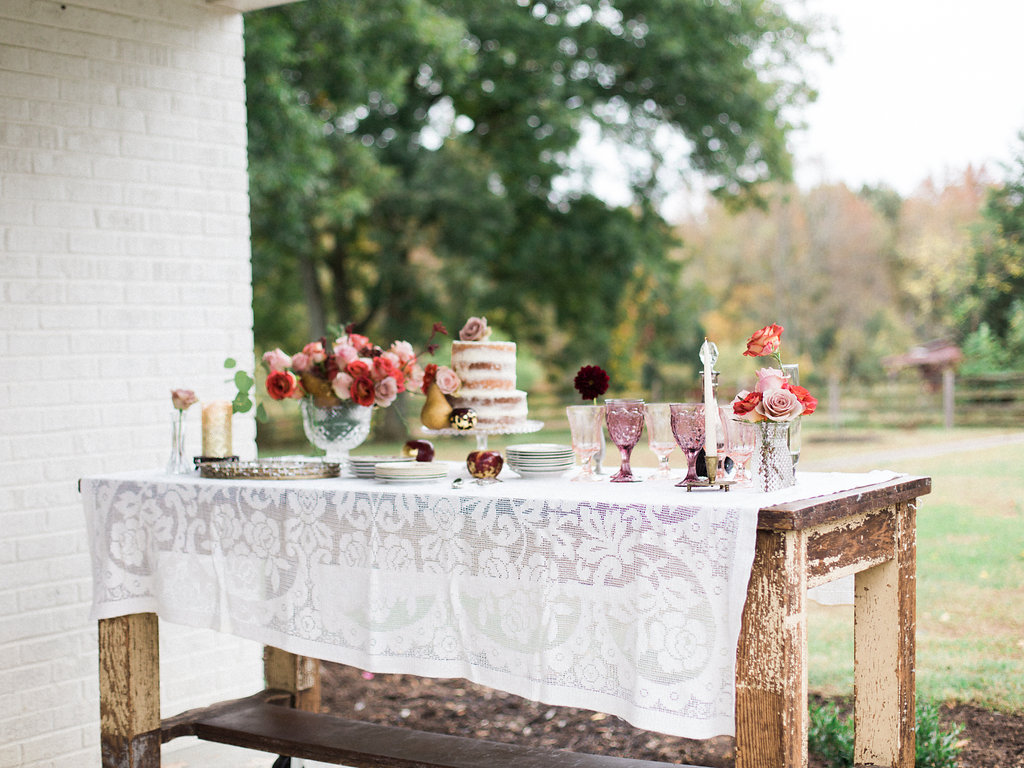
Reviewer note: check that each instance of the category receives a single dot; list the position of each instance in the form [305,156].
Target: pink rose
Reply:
[779,405]
[475,329]
[769,378]
[447,380]
[276,360]
[301,362]
[403,351]
[183,398]
[345,354]
[385,391]
[342,385]
[414,378]
[392,359]
[358,341]
[316,352]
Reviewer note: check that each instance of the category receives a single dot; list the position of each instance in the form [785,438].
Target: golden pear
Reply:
[436,410]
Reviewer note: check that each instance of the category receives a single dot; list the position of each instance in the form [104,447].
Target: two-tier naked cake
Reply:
[487,371]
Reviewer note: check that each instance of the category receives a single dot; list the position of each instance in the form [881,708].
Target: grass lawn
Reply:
[970,570]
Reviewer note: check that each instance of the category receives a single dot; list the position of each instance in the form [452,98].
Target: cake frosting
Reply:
[487,370]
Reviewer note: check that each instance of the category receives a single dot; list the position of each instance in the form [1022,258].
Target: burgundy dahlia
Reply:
[591,382]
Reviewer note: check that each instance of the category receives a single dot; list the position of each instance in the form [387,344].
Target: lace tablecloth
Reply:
[622,598]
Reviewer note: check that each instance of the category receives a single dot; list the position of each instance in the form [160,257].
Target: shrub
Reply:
[831,737]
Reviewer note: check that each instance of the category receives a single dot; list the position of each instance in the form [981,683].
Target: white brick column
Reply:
[124,272]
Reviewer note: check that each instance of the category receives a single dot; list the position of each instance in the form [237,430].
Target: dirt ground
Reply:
[990,739]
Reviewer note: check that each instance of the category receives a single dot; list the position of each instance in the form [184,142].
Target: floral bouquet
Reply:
[775,404]
[774,398]
[353,369]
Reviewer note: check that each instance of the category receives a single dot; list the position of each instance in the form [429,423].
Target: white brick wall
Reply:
[124,272]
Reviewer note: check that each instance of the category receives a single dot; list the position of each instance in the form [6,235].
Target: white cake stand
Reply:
[482,433]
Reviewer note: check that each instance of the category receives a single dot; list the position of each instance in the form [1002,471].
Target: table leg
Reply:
[771,659]
[299,675]
[884,627]
[129,656]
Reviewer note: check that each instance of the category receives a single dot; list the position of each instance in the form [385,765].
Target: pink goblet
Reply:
[625,424]
[688,430]
[585,426]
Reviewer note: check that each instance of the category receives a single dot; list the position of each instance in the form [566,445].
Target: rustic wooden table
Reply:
[869,532]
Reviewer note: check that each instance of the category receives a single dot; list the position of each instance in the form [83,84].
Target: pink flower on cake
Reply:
[475,329]
[276,360]
[447,380]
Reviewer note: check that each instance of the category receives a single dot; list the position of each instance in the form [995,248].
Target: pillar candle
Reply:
[217,429]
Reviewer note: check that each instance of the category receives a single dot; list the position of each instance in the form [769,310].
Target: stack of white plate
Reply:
[411,472]
[539,459]
[363,466]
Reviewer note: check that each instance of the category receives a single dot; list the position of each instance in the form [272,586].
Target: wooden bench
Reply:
[868,532]
[267,722]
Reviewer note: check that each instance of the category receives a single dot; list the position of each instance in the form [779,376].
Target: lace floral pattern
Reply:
[630,605]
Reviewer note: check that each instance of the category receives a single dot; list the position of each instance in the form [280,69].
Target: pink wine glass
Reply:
[688,430]
[585,425]
[741,447]
[658,420]
[625,424]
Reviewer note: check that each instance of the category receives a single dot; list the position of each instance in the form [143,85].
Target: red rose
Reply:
[807,400]
[362,390]
[357,368]
[745,403]
[765,341]
[281,384]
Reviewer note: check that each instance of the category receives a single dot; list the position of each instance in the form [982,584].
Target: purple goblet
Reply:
[688,430]
[625,424]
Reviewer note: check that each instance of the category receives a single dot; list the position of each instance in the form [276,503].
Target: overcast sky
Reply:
[917,88]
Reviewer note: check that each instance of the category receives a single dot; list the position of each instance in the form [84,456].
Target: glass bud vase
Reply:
[792,375]
[772,463]
[179,463]
[336,429]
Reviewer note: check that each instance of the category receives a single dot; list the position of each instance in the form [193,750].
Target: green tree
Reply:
[415,160]
[998,264]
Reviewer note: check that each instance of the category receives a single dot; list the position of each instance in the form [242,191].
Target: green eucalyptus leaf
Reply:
[229,362]
[243,381]
[241,403]
[261,414]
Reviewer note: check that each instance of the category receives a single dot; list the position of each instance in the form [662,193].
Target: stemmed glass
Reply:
[625,423]
[740,447]
[586,423]
[688,430]
[658,418]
